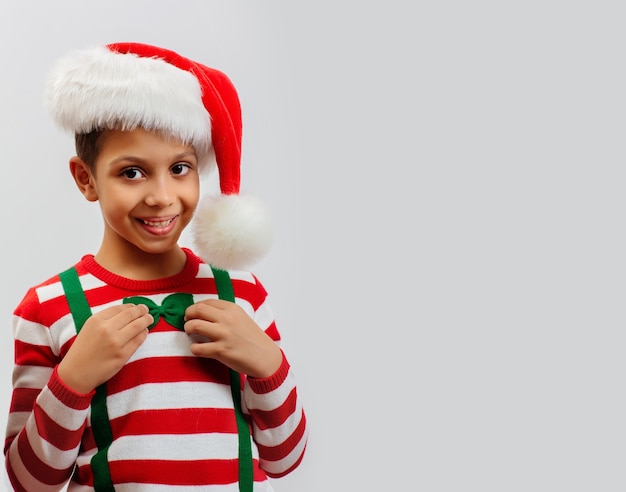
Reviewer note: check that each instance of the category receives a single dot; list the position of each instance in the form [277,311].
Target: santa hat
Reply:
[130,85]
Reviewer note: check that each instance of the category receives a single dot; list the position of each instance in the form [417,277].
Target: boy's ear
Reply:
[84,179]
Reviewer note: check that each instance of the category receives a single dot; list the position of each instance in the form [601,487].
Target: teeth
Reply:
[161,223]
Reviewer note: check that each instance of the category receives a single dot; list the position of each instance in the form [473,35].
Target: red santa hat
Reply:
[130,85]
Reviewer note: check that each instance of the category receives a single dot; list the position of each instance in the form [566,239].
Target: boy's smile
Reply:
[147,186]
[159,225]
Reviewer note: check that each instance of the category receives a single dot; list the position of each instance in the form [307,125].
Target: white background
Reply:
[447,180]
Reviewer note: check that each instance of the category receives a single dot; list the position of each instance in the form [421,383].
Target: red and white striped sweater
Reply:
[171,414]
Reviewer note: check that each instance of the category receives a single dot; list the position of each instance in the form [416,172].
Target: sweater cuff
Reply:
[265,385]
[66,395]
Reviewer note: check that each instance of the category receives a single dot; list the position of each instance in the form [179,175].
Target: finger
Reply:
[136,335]
[213,303]
[208,310]
[202,327]
[112,311]
[204,349]
[131,313]
[136,329]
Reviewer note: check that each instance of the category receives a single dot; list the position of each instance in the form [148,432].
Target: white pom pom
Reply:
[231,231]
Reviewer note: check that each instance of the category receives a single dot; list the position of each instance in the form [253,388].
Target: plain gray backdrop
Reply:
[447,180]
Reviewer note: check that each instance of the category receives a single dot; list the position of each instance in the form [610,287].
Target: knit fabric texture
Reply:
[171,414]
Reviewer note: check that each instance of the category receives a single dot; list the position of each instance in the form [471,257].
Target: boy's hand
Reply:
[104,344]
[234,338]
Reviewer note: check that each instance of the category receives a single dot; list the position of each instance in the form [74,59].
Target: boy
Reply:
[144,367]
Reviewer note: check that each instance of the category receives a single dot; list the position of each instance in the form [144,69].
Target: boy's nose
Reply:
[160,194]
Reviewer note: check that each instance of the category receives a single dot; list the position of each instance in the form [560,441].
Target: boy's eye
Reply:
[131,173]
[180,168]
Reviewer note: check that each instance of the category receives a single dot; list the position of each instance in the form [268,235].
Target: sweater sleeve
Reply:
[46,419]
[276,412]
[278,420]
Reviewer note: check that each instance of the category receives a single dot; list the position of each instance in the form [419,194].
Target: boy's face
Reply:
[148,189]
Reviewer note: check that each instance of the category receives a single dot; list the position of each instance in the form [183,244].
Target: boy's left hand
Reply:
[234,338]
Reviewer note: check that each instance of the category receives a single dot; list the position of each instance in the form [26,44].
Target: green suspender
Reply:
[101,426]
[246,476]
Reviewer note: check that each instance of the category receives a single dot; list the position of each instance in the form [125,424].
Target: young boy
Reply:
[144,367]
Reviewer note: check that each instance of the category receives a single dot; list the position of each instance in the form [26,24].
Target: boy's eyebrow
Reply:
[140,159]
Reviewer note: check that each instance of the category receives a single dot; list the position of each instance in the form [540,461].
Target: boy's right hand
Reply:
[105,343]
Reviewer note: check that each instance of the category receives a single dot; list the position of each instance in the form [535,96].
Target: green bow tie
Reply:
[172,309]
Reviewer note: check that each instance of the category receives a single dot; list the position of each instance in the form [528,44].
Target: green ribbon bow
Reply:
[173,308]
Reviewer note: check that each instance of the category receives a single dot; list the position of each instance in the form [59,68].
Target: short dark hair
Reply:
[88,146]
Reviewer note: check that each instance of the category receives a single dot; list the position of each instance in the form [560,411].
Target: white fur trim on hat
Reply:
[100,89]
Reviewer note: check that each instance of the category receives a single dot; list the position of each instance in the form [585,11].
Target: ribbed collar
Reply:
[188,273]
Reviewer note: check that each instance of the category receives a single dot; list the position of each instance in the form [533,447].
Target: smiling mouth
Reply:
[157,223]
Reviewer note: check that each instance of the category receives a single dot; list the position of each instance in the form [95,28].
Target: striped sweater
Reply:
[171,414]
